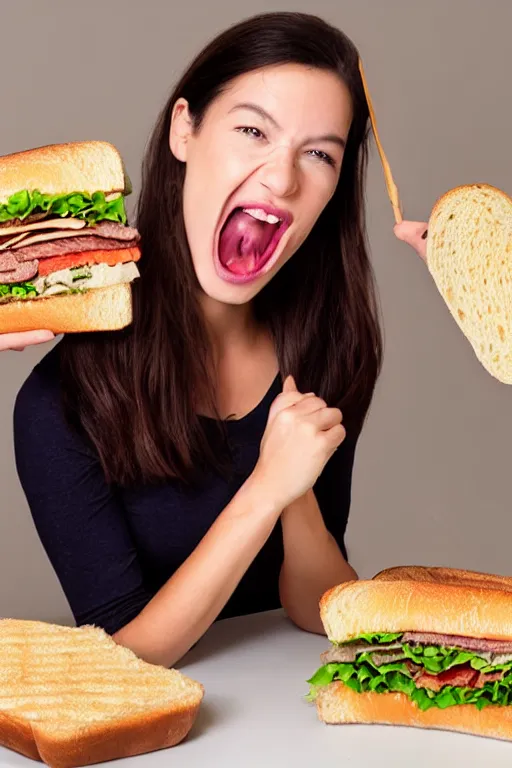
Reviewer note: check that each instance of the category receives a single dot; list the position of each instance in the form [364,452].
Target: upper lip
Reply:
[285,216]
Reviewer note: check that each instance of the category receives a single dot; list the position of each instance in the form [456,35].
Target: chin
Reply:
[225,293]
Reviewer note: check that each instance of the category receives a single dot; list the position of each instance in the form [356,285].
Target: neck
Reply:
[229,325]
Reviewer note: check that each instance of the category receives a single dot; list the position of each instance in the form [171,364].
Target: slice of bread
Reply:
[469,255]
[74,697]
[337,704]
[59,169]
[100,309]
[413,599]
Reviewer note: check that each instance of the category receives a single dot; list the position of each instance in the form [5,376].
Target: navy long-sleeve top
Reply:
[111,548]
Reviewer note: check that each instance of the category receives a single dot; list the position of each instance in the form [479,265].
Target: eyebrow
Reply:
[333,138]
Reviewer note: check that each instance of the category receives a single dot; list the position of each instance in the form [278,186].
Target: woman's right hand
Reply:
[301,435]
[18,341]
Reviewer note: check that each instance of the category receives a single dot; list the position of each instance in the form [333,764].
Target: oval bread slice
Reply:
[469,255]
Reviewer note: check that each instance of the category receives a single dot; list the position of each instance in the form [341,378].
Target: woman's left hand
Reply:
[414,234]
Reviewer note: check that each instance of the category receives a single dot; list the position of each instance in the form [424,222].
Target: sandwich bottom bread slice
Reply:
[422,647]
[106,309]
[74,697]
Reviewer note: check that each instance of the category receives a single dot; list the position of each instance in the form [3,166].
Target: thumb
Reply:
[289,385]
[413,233]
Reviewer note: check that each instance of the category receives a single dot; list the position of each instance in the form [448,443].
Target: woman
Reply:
[198,465]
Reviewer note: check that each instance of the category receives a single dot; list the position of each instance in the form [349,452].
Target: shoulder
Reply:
[39,395]
[40,424]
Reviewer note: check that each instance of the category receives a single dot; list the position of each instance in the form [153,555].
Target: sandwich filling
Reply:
[70,243]
[432,670]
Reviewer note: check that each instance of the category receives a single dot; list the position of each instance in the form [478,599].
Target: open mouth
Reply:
[248,241]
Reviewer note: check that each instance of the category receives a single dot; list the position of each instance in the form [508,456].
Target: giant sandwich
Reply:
[67,255]
[423,647]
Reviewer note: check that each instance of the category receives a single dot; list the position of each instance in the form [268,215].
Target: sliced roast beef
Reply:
[8,261]
[116,231]
[348,653]
[387,658]
[23,271]
[456,641]
[488,677]
[19,222]
[66,245]
[457,676]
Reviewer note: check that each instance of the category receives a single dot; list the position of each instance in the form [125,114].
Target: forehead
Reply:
[300,99]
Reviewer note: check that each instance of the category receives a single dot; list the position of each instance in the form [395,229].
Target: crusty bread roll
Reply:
[59,169]
[101,309]
[337,704]
[469,255]
[454,606]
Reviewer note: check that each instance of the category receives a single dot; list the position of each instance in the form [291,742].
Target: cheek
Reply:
[319,192]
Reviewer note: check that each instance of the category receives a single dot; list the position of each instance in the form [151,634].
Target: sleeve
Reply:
[333,490]
[78,518]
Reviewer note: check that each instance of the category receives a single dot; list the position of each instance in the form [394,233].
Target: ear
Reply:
[181,130]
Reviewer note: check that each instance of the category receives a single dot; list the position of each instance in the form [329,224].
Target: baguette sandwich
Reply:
[469,255]
[67,255]
[422,647]
[73,697]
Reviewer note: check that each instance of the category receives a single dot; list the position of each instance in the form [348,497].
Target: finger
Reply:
[310,405]
[414,233]
[289,385]
[18,341]
[326,418]
[335,436]
[283,401]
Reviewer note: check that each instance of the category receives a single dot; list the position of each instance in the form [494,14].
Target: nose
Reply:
[280,174]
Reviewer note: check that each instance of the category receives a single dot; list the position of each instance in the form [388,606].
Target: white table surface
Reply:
[254,714]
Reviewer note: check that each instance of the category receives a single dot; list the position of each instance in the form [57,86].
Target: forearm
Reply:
[312,563]
[191,600]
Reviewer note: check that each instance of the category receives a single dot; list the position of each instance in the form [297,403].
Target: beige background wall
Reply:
[433,474]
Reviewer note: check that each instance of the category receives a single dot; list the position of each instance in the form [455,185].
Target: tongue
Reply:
[243,241]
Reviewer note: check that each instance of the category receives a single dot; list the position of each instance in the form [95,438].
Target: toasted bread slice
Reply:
[469,255]
[73,697]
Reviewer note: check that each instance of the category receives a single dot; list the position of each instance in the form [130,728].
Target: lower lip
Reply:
[267,261]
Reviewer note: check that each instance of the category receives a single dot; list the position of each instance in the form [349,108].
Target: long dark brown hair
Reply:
[133,393]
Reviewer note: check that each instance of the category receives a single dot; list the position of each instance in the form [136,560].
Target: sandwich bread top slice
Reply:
[73,696]
[444,601]
[59,169]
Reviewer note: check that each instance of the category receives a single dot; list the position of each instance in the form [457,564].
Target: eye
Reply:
[251,131]
[322,156]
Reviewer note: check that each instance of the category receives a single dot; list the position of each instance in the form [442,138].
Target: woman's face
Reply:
[259,171]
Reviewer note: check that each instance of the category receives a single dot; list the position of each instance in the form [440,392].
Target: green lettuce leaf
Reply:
[436,660]
[363,677]
[82,205]
[17,290]
[21,291]
[376,638]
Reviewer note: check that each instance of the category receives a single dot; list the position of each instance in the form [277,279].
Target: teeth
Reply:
[259,213]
